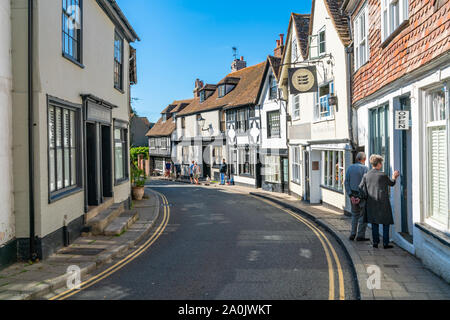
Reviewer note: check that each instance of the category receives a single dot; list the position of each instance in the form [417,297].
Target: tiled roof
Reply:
[168,127]
[302,25]
[162,129]
[275,63]
[339,20]
[246,92]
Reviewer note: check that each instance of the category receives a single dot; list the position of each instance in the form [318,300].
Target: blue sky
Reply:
[185,40]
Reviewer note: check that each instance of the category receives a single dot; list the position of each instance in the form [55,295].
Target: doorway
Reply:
[285,174]
[106,162]
[93,193]
[206,152]
[307,177]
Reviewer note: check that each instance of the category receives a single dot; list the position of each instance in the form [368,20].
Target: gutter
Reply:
[33,253]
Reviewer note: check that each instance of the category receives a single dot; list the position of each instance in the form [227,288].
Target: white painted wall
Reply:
[7,223]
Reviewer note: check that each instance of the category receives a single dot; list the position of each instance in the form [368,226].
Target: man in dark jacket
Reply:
[353,178]
[375,189]
[223,172]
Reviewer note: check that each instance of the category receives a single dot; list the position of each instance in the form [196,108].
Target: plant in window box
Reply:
[138,179]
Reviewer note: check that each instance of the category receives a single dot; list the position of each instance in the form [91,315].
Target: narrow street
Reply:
[222,245]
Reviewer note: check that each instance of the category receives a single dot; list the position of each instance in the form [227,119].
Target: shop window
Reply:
[272,169]
[245,162]
[120,154]
[333,170]
[63,149]
[217,154]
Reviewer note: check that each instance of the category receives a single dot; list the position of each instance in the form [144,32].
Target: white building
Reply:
[320,133]
[273,148]
[7,221]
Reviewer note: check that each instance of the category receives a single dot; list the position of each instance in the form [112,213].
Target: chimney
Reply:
[278,52]
[238,64]
[198,86]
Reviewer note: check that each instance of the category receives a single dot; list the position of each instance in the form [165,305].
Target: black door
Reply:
[307,179]
[258,171]
[91,165]
[107,179]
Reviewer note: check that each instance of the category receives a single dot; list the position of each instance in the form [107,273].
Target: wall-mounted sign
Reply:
[98,113]
[303,80]
[401,120]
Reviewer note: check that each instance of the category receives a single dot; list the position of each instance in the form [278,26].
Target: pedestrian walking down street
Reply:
[223,172]
[191,172]
[196,173]
[375,189]
[353,178]
[177,170]
[168,170]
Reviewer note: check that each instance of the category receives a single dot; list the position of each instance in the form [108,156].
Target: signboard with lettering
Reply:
[401,120]
[303,80]
[98,113]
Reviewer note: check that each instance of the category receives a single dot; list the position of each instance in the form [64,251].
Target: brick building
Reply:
[400,91]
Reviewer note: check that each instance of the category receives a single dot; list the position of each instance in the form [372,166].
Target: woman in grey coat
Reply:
[374,188]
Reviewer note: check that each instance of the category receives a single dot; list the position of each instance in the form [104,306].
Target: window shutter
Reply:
[438,174]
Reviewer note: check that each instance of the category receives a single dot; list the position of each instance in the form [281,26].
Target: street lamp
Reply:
[202,123]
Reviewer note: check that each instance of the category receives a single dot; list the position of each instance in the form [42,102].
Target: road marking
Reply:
[119,265]
[320,236]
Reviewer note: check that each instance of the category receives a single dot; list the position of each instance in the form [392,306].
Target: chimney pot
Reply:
[242,58]
[282,38]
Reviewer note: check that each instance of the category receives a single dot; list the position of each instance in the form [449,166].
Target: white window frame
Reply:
[361,38]
[330,181]
[296,165]
[393,14]
[296,107]
[428,218]
[320,101]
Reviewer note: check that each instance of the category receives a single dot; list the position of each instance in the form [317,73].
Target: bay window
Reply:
[437,154]
[63,148]
[333,170]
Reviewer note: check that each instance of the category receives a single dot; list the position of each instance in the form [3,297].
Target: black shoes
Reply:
[362,239]
[375,245]
[351,238]
[388,246]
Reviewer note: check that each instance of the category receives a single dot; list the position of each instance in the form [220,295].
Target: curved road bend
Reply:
[228,246]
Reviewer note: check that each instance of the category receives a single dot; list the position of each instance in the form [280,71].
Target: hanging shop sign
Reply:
[303,80]
[401,120]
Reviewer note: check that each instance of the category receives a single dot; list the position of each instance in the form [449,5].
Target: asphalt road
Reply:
[227,246]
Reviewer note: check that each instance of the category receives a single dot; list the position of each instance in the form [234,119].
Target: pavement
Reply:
[222,245]
[403,276]
[23,281]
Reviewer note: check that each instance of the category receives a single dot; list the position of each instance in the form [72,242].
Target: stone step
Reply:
[95,210]
[104,218]
[121,223]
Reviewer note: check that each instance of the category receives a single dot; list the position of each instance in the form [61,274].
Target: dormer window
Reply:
[164,118]
[202,96]
[222,91]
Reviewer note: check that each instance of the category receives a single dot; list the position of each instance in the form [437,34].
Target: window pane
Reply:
[73,154]
[72,129]
[59,171]
[66,167]
[66,131]
[58,127]
[51,159]
[51,127]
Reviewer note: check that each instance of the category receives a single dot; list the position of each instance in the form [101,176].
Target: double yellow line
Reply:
[122,263]
[327,247]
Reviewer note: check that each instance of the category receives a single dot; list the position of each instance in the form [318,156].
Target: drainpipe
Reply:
[33,253]
[348,52]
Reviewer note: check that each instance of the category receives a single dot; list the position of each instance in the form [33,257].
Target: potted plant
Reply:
[138,179]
